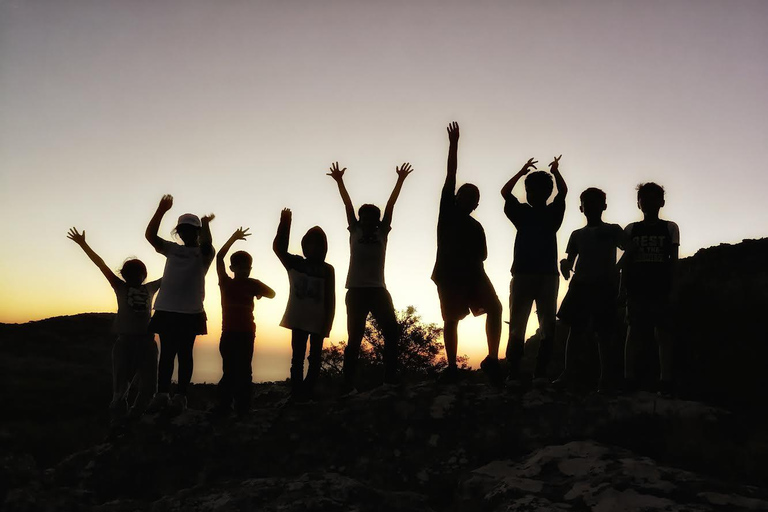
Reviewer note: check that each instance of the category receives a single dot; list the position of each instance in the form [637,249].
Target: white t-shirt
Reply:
[183,288]
[133,307]
[366,259]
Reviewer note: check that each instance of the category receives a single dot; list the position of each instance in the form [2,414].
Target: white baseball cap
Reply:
[189,219]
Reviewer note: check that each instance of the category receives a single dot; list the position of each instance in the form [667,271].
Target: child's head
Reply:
[467,198]
[314,244]
[592,203]
[134,271]
[370,216]
[650,197]
[538,187]
[188,229]
[240,264]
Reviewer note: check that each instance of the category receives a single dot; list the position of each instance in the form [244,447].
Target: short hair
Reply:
[132,265]
[540,180]
[467,188]
[241,258]
[650,189]
[592,194]
[315,235]
[369,209]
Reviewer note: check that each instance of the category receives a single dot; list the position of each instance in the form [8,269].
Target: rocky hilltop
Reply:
[418,446]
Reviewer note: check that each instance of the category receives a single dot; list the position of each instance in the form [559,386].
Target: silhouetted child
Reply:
[366,290]
[459,273]
[179,315]
[238,329]
[134,353]
[648,278]
[311,303]
[590,304]
[534,268]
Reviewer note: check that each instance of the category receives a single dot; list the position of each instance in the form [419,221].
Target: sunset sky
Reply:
[239,107]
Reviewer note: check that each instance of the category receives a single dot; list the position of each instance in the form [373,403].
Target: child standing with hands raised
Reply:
[179,315]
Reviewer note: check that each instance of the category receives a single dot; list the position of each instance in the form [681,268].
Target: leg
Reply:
[169,347]
[451,340]
[315,356]
[357,313]
[299,350]
[546,309]
[224,389]
[384,312]
[120,369]
[493,327]
[665,342]
[186,364]
[520,304]
[243,377]
[147,372]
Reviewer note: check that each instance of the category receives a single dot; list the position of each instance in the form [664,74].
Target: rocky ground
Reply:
[421,446]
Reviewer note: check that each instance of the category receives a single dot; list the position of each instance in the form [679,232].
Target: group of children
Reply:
[644,273]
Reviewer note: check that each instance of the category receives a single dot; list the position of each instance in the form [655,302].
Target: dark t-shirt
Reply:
[536,240]
[649,272]
[461,247]
[595,248]
[237,303]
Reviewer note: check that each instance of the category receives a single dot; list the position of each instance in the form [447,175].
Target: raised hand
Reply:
[403,171]
[453,132]
[207,218]
[286,215]
[165,203]
[78,238]
[530,164]
[554,164]
[240,234]
[335,173]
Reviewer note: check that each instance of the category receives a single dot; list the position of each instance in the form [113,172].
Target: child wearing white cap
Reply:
[179,315]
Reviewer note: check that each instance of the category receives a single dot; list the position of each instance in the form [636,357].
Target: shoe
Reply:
[159,402]
[179,403]
[666,389]
[491,367]
[562,382]
[449,376]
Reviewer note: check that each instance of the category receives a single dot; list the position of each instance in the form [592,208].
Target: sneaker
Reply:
[666,389]
[179,403]
[159,402]
[491,367]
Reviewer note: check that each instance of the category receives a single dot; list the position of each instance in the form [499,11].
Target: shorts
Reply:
[458,298]
[585,302]
[649,312]
[167,322]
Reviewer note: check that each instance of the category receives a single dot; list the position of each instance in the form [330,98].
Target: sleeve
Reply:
[259,289]
[166,247]
[513,209]
[352,226]
[153,286]
[674,232]
[573,243]
[293,261]
[208,253]
[628,230]
[557,211]
[622,239]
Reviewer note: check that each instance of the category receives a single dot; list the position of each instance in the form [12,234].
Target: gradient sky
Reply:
[238,108]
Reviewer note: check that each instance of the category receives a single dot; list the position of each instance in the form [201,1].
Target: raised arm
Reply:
[506,190]
[154,224]
[79,239]
[280,244]
[239,234]
[330,303]
[402,172]
[206,240]
[562,188]
[449,188]
[338,176]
